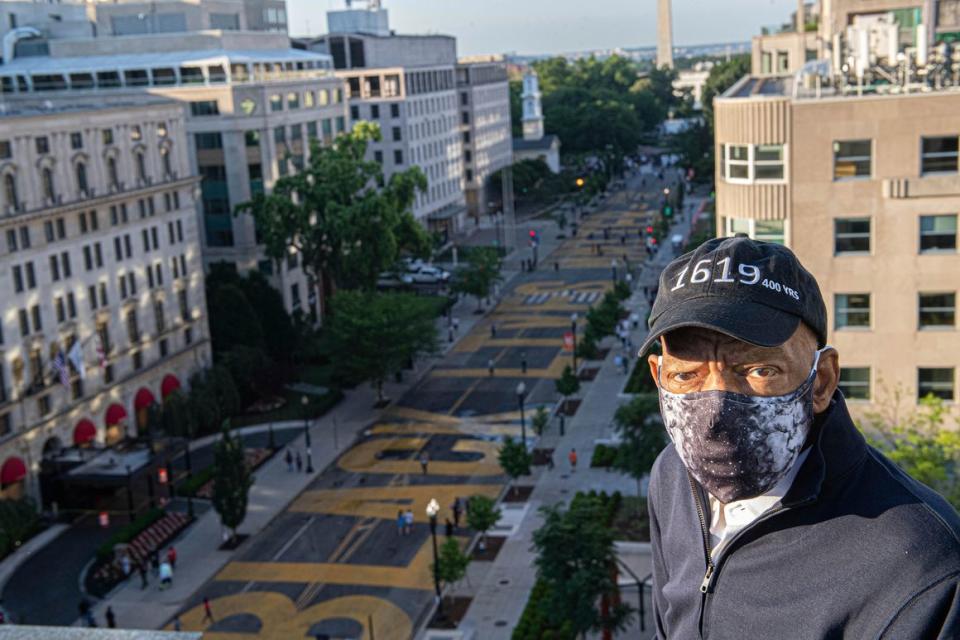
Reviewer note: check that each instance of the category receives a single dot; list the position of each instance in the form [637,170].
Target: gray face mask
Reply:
[739,446]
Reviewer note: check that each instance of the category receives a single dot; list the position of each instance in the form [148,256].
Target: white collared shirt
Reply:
[729,519]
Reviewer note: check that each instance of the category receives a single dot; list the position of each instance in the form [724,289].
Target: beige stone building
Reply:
[485,129]
[252,104]
[100,275]
[860,178]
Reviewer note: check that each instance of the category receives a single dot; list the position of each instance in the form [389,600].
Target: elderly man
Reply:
[770,516]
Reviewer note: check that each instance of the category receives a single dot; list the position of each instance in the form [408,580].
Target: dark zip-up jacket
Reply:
[857,549]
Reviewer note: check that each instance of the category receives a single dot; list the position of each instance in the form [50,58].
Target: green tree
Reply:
[340,215]
[232,480]
[250,369]
[567,385]
[233,320]
[576,559]
[482,515]
[514,459]
[452,563]
[19,521]
[921,442]
[373,336]
[540,420]
[175,416]
[479,275]
[641,435]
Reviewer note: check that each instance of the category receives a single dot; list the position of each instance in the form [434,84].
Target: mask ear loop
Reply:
[659,368]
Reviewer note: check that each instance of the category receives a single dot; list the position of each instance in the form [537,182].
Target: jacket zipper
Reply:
[706,536]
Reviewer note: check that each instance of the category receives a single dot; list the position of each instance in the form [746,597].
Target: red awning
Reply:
[169,385]
[84,432]
[116,414]
[13,470]
[143,399]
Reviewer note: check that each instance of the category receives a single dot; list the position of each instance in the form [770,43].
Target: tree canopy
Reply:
[339,214]
[372,336]
[482,514]
[515,459]
[641,434]
[479,275]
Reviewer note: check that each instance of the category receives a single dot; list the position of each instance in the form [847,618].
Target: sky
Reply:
[555,26]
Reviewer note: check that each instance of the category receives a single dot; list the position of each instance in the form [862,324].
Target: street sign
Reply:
[103,519]
[568,341]
[162,475]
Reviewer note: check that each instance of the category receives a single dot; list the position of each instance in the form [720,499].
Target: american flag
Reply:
[60,366]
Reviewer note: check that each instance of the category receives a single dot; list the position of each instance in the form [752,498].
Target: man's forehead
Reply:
[703,343]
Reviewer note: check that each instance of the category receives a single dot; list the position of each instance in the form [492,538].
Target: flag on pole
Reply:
[60,366]
[76,359]
[101,354]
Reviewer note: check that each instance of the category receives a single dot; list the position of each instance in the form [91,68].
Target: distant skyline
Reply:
[557,26]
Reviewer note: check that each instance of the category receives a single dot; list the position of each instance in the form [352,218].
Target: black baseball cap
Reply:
[753,291]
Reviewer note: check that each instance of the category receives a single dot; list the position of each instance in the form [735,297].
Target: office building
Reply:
[485,130]
[252,103]
[860,177]
[408,85]
[100,274]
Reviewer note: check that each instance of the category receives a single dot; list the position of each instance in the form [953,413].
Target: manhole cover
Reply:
[504,582]
[500,623]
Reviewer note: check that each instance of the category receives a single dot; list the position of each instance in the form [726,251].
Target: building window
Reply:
[378,156]
[81,173]
[937,310]
[43,145]
[855,383]
[276,102]
[938,155]
[397,134]
[184,307]
[763,230]
[768,163]
[852,310]
[211,140]
[141,164]
[49,191]
[397,156]
[852,159]
[851,235]
[107,136]
[374,112]
[394,110]
[204,108]
[76,140]
[738,162]
[938,233]
[112,175]
[354,112]
[936,382]
[10,191]
[293,100]
[251,138]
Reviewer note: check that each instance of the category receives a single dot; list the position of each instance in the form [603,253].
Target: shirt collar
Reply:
[750,509]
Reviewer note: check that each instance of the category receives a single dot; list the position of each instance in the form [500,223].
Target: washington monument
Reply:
[664,35]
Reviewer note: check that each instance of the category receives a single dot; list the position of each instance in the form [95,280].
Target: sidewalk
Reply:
[501,598]
[198,557]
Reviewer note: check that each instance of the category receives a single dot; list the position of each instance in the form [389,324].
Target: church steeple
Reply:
[532,109]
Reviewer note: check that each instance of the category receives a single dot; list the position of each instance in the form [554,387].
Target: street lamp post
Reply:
[432,510]
[272,444]
[304,400]
[573,329]
[522,389]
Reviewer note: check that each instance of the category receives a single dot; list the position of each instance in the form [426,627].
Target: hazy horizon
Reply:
[559,26]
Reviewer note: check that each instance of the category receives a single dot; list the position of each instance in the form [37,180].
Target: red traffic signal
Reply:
[649,229]
[533,234]
[162,475]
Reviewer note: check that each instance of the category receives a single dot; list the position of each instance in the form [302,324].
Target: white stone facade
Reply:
[98,245]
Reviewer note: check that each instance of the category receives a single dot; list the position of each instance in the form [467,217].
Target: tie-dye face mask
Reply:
[739,446]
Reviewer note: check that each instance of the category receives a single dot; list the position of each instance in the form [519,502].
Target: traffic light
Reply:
[533,234]
[668,211]
[650,229]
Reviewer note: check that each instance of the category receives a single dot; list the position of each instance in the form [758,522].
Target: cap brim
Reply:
[747,321]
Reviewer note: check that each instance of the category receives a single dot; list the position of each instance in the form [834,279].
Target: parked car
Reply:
[427,274]
[392,280]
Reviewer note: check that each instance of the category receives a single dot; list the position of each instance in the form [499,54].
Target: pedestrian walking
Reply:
[289,459]
[125,565]
[155,562]
[523,361]
[550,454]
[450,335]
[142,569]
[172,557]
[572,457]
[207,611]
[408,521]
[424,461]
[457,509]
[299,462]
[448,525]
[556,266]
[490,366]
[456,324]
[401,522]
[111,618]
[166,575]
[176,623]
[618,362]
[493,329]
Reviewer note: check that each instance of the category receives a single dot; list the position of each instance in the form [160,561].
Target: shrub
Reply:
[128,533]
[603,456]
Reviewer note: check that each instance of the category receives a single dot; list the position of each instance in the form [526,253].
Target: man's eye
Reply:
[684,376]
[762,372]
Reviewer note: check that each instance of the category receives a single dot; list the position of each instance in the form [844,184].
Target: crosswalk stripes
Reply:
[574,297]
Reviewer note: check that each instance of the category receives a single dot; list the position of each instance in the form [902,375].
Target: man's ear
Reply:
[654,361]
[828,377]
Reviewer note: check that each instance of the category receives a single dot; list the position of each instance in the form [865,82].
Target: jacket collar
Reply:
[838,446]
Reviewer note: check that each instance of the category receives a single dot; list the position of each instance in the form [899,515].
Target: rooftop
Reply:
[543,144]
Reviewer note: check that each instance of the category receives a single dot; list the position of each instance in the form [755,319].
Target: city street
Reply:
[333,561]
